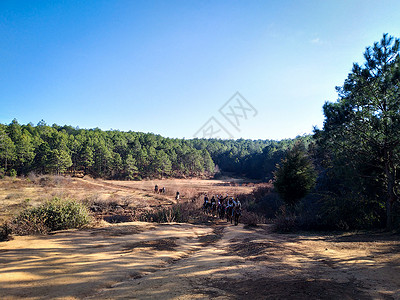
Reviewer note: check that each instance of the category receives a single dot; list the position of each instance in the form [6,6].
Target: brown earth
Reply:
[138,260]
[16,194]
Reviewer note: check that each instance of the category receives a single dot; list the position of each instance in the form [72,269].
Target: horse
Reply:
[221,210]
[237,212]
[206,207]
[213,208]
[229,213]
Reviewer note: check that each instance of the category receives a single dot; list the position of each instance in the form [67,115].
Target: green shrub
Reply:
[55,214]
[12,173]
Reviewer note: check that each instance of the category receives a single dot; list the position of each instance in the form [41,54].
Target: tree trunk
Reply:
[390,195]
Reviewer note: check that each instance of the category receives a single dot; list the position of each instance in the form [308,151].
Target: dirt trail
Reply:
[184,261]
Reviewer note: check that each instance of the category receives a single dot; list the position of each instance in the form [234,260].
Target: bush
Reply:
[285,221]
[344,212]
[55,214]
[252,218]
[12,173]
[4,232]
[180,213]
[263,200]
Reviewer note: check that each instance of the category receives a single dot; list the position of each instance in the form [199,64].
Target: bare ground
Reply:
[140,260]
[183,261]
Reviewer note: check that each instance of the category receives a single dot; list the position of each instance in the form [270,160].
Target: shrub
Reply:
[180,213]
[284,222]
[263,200]
[12,173]
[4,232]
[176,213]
[252,218]
[55,214]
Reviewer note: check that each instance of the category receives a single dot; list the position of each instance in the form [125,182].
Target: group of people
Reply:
[218,205]
[223,207]
[159,191]
[162,191]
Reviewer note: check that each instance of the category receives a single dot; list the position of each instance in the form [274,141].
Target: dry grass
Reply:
[134,197]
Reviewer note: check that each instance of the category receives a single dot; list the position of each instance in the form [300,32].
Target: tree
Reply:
[117,165]
[131,168]
[363,127]
[208,162]
[60,160]
[25,152]
[295,176]
[85,157]
[7,148]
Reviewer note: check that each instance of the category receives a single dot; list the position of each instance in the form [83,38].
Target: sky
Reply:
[183,69]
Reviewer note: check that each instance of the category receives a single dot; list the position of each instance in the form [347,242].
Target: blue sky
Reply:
[168,66]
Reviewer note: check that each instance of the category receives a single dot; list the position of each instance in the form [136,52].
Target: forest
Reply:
[343,176]
[130,155]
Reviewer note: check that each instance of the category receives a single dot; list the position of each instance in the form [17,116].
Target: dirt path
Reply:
[185,261]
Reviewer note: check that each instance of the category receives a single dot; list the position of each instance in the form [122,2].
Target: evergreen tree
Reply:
[131,168]
[295,176]
[7,149]
[362,129]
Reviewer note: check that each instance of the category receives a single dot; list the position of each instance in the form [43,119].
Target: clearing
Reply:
[139,260]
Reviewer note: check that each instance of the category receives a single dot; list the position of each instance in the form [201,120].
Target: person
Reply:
[237,212]
[177,196]
[213,205]
[238,204]
[229,209]
[205,204]
[220,208]
[163,190]
[156,188]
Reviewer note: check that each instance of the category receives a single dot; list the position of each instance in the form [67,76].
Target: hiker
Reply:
[206,203]
[229,208]
[237,212]
[163,190]
[177,196]
[156,189]
[213,205]
[220,208]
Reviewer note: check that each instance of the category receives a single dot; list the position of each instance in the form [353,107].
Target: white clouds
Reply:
[317,41]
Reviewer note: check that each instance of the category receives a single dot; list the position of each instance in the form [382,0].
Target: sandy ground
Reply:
[183,261]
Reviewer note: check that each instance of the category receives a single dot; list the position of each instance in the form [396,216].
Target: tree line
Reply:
[129,155]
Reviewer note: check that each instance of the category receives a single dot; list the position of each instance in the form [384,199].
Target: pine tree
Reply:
[295,176]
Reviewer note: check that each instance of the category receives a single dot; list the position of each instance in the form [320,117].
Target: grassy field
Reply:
[17,194]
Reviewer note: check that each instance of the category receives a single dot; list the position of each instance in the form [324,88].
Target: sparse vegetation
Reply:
[52,215]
